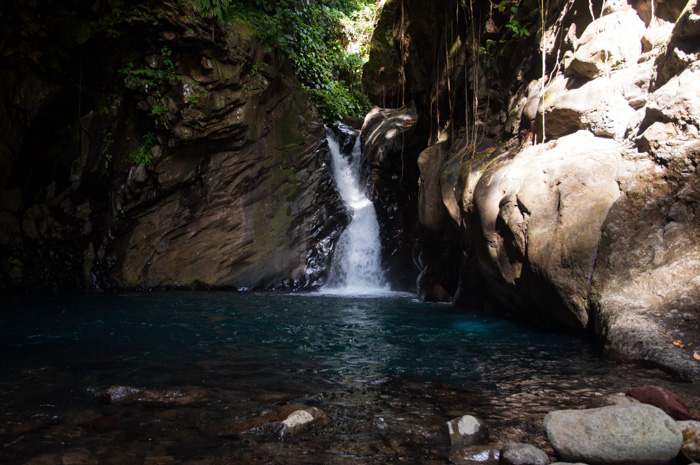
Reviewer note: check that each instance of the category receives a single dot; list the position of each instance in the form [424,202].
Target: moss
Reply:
[287,131]
[271,223]
[245,30]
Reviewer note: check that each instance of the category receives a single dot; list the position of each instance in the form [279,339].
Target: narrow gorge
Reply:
[184,185]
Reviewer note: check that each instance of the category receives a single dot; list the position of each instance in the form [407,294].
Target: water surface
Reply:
[388,371]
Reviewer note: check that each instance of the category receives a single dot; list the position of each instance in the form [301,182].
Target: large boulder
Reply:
[538,223]
[608,42]
[595,229]
[636,435]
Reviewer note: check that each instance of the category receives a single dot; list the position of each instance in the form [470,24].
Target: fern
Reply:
[215,8]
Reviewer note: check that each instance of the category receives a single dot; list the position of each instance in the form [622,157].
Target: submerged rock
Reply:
[463,431]
[284,423]
[299,421]
[179,396]
[613,399]
[666,401]
[522,454]
[475,455]
[636,435]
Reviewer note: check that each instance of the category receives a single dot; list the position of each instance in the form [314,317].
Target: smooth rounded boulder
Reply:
[631,434]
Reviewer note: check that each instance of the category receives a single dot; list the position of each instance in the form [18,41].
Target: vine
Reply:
[489,51]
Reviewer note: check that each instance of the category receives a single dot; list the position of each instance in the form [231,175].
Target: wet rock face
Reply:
[389,142]
[238,193]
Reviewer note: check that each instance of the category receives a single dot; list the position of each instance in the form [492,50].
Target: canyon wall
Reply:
[151,148]
[558,182]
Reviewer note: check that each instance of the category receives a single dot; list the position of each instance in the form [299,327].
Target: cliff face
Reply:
[149,148]
[570,196]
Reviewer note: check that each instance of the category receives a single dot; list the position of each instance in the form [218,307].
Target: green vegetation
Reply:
[510,8]
[143,155]
[325,40]
[153,77]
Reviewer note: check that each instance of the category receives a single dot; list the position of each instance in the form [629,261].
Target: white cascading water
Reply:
[356,267]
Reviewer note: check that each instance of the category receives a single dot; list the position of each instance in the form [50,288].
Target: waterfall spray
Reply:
[356,267]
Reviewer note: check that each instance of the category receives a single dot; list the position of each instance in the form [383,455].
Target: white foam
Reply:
[356,268]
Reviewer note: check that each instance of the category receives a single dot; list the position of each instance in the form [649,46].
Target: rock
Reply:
[434,293]
[432,214]
[463,431]
[179,396]
[522,454]
[637,434]
[666,401]
[536,213]
[656,35]
[606,43]
[691,438]
[614,399]
[77,456]
[389,151]
[284,422]
[598,105]
[299,421]
[679,54]
[238,193]
[475,455]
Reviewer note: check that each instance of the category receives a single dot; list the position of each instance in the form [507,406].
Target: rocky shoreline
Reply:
[168,426]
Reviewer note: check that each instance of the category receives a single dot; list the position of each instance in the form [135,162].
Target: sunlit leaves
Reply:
[314,36]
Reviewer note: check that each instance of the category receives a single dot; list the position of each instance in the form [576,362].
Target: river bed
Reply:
[386,369]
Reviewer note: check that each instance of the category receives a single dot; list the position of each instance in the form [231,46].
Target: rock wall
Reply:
[235,191]
[573,193]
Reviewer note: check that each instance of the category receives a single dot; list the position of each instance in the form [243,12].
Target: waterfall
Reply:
[356,267]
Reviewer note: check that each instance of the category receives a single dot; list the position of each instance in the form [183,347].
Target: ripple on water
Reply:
[387,370]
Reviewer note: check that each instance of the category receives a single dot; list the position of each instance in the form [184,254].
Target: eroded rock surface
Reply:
[573,195]
[204,168]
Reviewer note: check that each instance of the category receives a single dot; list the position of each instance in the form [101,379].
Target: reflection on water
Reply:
[387,370]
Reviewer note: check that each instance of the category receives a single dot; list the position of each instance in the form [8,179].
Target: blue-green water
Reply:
[358,358]
[292,337]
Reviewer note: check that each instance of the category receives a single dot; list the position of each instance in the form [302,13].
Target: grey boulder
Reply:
[631,434]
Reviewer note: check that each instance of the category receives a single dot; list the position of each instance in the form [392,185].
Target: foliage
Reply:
[218,9]
[488,52]
[143,154]
[326,41]
[160,74]
[155,79]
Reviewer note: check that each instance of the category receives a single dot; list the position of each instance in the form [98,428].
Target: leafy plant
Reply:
[489,51]
[218,9]
[107,142]
[143,154]
[159,75]
[316,36]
